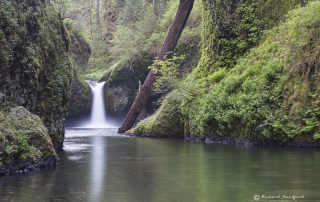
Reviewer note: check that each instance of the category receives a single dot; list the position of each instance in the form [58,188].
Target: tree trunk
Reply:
[168,45]
[97,12]
[160,2]
[89,13]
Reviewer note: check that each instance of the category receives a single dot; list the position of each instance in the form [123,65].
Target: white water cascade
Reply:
[98,118]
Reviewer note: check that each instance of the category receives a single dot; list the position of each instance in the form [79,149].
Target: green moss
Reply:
[273,11]
[271,93]
[23,145]
[217,76]
[35,68]
[79,53]
[158,123]
[231,28]
[248,101]
[98,74]
[23,136]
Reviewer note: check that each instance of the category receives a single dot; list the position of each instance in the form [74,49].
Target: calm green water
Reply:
[100,165]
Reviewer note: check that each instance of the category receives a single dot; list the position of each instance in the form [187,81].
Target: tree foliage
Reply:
[131,13]
[167,73]
[128,29]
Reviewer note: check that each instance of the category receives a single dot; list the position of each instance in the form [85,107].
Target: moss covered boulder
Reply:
[24,142]
[35,70]
[158,125]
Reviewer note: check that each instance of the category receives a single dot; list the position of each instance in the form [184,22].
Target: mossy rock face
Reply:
[117,99]
[79,51]
[122,84]
[231,28]
[166,122]
[34,64]
[24,123]
[80,97]
[23,138]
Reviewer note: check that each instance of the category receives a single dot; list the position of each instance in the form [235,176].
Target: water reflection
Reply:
[98,166]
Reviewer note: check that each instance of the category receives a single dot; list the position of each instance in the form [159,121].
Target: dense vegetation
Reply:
[253,65]
[268,92]
[124,44]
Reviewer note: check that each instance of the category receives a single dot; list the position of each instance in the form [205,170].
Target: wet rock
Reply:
[122,84]
[117,99]
[227,140]
[217,139]
[27,165]
[18,123]
[154,135]
[80,97]
[2,96]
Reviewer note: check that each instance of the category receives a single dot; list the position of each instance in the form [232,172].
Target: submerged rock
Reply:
[122,85]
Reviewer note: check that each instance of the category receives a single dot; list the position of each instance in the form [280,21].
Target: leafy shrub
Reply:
[167,73]
[23,144]
[271,93]
[7,154]
[217,76]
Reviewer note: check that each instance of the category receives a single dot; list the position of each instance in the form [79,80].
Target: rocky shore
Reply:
[260,143]
[227,140]
[154,135]
[28,165]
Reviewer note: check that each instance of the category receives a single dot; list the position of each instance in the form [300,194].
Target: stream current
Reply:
[101,165]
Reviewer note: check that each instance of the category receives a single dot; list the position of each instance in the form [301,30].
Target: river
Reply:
[100,165]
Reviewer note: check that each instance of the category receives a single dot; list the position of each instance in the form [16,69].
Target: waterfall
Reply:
[98,118]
